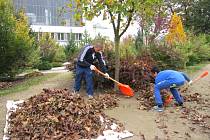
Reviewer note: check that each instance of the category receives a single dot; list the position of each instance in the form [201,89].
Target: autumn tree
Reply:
[176,30]
[121,13]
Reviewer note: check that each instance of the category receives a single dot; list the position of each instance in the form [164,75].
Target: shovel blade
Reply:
[168,100]
[126,90]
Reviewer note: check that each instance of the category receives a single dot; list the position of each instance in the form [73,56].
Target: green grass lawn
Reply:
[26,84]
[192,69]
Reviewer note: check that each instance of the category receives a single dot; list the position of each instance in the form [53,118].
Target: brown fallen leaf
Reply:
[192,129]
[176,132]
[142,137]
[162,126]
[187,134]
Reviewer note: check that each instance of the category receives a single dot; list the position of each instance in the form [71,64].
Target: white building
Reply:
[44,17]
[59,33]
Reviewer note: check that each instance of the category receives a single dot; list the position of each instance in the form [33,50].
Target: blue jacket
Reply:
[171,76]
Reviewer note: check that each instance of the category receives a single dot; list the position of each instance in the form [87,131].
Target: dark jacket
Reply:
[87,57]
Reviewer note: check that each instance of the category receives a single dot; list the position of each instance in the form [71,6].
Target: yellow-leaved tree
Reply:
[176,30]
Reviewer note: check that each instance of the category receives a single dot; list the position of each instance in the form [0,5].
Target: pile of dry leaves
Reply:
[12,82]
[9,84]
[4,85]
[57,114]
[146,98]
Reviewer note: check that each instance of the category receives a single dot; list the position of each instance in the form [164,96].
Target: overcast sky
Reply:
[104,27]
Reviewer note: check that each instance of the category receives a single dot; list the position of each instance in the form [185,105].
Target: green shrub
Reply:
[47,48]
[128,48]
[59,54]
[71,49]
[168,57]
[86,39]
[44,65]
[200,49]
[197,49]
[139,43]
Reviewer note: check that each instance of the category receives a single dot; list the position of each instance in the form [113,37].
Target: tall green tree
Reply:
[86,39]
[48,48]
[120,13]
[30,49]
[71,48]
[199,17]
[7,37]
[15,41]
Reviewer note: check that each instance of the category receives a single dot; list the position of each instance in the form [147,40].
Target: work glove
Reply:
[107,75]
[92,67]
[190,83]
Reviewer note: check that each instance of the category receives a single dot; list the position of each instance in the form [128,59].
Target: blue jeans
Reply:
[165,85]
[88,75]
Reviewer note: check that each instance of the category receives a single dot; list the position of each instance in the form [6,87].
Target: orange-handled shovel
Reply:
[125,89]
[170,98]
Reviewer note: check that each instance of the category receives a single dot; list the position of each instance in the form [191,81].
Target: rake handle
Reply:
[204,74]
[98,71]
[193,81]
[196,79]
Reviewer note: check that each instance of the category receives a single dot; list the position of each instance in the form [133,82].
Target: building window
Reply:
[52,35]
[68,36]
[60,36]
[78,36]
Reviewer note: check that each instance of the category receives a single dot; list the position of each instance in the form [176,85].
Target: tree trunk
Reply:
[117,60]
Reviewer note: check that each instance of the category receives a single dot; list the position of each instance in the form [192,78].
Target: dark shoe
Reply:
[178,104]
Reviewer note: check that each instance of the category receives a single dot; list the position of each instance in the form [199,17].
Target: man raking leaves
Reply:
[85,66]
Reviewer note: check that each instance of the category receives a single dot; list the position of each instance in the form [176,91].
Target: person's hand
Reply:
[92,67]
[190,83]
[107,75]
